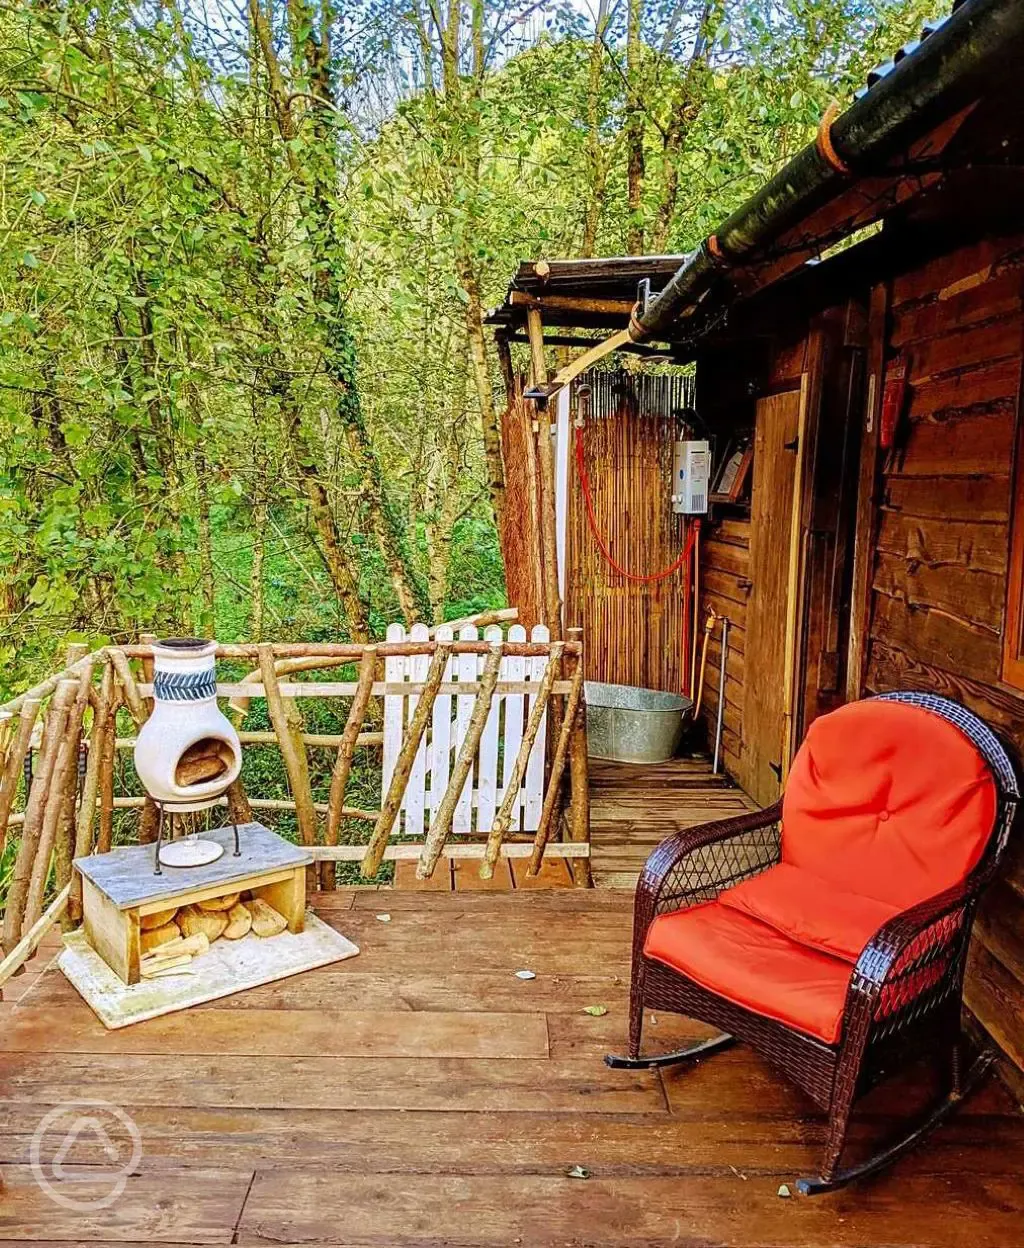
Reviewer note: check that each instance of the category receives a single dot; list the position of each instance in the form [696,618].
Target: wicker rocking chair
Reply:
[830,930]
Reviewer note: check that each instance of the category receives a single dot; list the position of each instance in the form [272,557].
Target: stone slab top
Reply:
[126,875]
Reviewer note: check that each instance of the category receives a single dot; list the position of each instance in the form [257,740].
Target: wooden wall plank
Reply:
[940,567]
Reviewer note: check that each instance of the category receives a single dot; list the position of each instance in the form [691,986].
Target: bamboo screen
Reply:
[633,632]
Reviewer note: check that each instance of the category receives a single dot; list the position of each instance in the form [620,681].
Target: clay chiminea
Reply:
[187,753]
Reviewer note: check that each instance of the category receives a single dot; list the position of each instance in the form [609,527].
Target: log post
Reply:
[64,836]
[15,763]
[557,767]
[239,809]
[35,808]
[287,722]
[343,763]
[437,834]
[546,459]
[108,744]
[90,787]
[389,807]
[149,820]
[508,803]
[579,781]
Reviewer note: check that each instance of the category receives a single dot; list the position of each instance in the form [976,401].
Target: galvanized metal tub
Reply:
[632,725]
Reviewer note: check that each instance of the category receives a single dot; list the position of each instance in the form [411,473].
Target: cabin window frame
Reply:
[1012,667]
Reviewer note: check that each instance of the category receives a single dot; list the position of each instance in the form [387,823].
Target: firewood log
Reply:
[266,921]
[210,922]
[160,919]
[227,902]
[157,936]
[239,922]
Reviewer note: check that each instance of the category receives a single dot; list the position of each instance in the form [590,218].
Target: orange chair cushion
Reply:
[754,966]
[887,801]
[810,910]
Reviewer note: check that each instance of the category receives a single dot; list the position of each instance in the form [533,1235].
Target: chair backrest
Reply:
[897,797]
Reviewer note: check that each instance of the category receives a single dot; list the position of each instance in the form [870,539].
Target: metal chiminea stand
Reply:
[190,851]
[188,753]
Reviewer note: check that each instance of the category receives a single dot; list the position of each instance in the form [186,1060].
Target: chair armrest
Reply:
[696,864]
[914,961]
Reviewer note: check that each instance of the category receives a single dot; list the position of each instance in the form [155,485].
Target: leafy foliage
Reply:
[245,256]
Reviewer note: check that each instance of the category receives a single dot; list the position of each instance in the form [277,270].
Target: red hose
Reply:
[602,545]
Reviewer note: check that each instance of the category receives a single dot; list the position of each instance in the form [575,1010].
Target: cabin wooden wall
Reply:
[938,574]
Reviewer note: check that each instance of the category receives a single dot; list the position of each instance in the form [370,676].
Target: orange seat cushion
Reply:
[887,801]
[810,910]
[754,966]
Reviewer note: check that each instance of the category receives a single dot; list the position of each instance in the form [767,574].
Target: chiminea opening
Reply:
[207,759]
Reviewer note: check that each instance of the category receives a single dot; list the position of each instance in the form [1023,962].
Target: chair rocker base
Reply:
[701,1049]
[940,1111]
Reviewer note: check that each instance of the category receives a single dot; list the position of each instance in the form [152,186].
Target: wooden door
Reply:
[776,446]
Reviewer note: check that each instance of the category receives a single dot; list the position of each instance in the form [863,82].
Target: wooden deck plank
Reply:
[555,1209]
[195,1205]
[985,1139]
[196,1078]
[309,1033]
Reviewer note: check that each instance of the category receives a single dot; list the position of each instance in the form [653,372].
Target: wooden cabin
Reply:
[871,348]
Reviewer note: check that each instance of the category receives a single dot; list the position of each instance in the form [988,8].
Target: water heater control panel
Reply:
[691,477]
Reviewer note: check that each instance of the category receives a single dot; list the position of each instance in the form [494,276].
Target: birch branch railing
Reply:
[68,803]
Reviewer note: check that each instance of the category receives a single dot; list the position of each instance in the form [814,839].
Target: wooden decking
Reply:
[422,1094]
[633,807]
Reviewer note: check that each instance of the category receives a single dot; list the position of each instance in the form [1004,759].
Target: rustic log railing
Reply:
[59,742]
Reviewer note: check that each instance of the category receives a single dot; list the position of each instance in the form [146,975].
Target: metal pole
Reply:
[721,695]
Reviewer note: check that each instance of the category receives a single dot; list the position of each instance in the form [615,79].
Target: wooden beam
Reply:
[867,488]
[403,766]
[442,821]
[569,340]
[408,851]
[572,303]
[557,767]
[546,460]
[503,819]
[28,944]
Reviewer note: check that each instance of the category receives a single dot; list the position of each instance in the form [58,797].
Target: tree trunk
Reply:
[634,132]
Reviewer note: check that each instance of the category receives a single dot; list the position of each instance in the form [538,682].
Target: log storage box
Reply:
[120,889]
[126,978]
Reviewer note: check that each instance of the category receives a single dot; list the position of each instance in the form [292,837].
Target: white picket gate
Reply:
[484,790]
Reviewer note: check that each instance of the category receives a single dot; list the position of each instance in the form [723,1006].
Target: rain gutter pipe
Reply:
[931,81]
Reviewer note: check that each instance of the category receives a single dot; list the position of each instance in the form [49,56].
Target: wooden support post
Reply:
[346,751]
[503,819]
[64,839]
[557,767]
[239,808]
[14,763]
[867,487]
[287,722]
[794,581]
[133,699]
[90,787]
[579,781]
[389,807]
[441,825]
[546,460]
[28,944]
[35,809]
[105,833]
